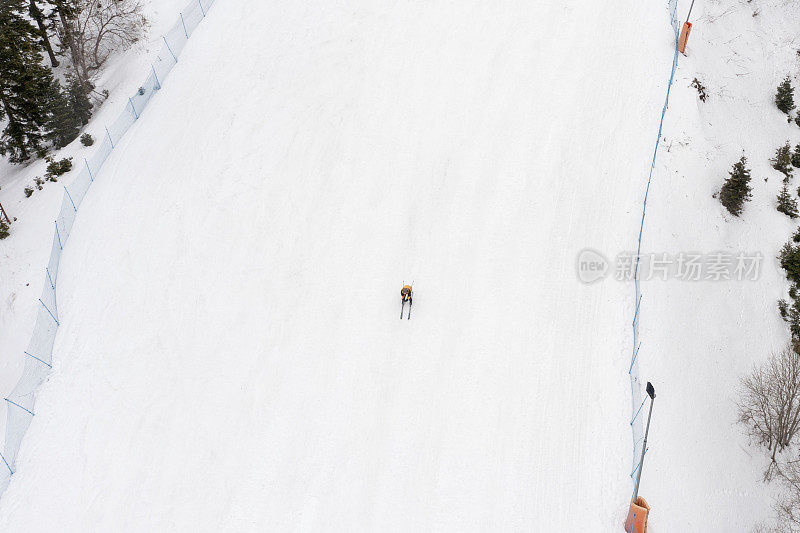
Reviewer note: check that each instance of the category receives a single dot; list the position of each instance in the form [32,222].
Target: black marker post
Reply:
[652,393]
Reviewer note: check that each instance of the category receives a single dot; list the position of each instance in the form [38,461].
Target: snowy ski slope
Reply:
[230,356]
[703,473]
[24,255]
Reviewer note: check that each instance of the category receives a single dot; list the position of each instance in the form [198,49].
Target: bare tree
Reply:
[787,503]
[107,26]
[93,29]
[64,21]
[769,405]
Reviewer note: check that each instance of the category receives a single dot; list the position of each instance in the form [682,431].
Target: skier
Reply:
[405,294]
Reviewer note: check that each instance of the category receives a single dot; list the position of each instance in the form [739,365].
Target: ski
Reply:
[409,310]
[402,306]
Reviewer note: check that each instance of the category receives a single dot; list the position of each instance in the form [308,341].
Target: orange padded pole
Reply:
[687,27]
[637,517]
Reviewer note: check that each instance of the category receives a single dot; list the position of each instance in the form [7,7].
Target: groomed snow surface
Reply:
[702,336]
[24,254]
[230,356]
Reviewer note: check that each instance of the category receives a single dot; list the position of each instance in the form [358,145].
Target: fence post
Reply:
[18,405]
[638,411]
[49,311]
[70,199]
[6,462]
[109,138]
[40,360]
[91,178]
[170,48]
[199,3]
[651,391]
[186,33]
[158,83]
[135,114]
[635,355]
[636,312]
[58,236]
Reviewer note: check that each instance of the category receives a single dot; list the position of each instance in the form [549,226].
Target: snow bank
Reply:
[21,401]
[701,472]
[25,253]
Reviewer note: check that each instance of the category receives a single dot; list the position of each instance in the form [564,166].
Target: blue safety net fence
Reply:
[21,401]
[637,396]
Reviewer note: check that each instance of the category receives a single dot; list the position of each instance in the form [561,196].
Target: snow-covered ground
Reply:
[700,337]
[230,355]
[227,359]
[23,255]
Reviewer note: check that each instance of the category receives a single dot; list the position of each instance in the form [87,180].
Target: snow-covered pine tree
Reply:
[78,101]
[786,204]
[736,189]
[790,312]
[789,258]
[62,124]
[784,98]
[70,110]
[796,156]
[793,319]
[782,161]
[37,15]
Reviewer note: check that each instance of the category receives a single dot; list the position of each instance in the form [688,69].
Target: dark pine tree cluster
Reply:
[39,112]
[782,161]
[786,203]
[789,258]
[736,189]
[784,98]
